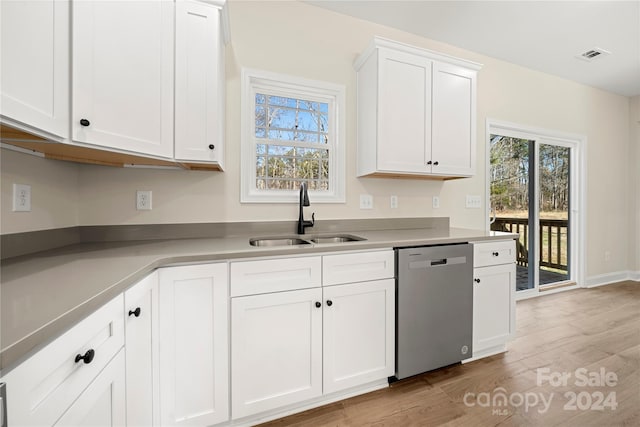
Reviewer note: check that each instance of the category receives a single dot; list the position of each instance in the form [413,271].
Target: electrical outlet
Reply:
[21,198]
[143,200]
[474,202]
[366,201]
[435,202]
[394,202]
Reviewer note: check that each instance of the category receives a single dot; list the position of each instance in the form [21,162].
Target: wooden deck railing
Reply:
[553,240]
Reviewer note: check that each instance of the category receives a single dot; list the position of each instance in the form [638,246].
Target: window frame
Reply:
[270,83]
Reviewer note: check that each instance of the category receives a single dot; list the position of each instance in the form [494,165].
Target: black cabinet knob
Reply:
[429,162]
[211,146]
[87,358]
[318,304]
[435,163]
[84,122]
[329,302]
[496,254]
[476,280]
[135,312]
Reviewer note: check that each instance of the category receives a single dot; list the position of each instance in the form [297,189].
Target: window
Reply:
[292,132]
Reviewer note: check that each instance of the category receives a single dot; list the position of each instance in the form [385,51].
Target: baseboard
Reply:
[607,279]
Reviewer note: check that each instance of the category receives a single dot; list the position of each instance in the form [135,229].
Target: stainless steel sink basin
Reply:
[278,241]
[338,238]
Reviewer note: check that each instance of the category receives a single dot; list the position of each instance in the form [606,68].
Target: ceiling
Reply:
[542,35]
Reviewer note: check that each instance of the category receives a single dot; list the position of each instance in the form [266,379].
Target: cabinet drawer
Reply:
[494,253]
[46,384]
[275,275]
[357,267]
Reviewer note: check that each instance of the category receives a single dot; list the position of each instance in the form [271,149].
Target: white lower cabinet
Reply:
[493,297]
[78,379]
[294,345]
[194,362]
[358,334]
[142,349]
[103,402]
[276,350]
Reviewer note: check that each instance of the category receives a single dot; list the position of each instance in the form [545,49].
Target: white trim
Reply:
[381,42]
[610,278]
[578,202]
[328,92]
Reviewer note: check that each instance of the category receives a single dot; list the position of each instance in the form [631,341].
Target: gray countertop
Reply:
[44,294]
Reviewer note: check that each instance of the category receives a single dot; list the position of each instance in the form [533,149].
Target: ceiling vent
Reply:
[593,54]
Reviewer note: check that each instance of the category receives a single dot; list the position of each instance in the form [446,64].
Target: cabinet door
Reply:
[123,75]
[194,373]
[276,349]
[142,348]
[453,143]
[35,65]
[404,112]
[493,306]
[358,334]
[45,385]
[103,402]
[199,83]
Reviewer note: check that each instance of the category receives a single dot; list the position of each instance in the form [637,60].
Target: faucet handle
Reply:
[313,218]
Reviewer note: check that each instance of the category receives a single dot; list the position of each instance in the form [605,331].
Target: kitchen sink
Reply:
[295,240]
[278,241]
[338,238]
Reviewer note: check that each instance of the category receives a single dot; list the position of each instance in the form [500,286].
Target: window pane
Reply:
[282,135]
[284,102]
[261,133]
[307,121]
[282,118]
[261,117]
[260,98]
[306,137]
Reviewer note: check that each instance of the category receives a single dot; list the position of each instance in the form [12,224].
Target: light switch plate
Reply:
[21,198]
[366,201]
[435,202]
[473,202]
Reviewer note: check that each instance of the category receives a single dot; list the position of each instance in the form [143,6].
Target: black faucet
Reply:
[304,201]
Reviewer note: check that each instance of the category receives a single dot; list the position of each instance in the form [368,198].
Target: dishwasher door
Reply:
[434,307]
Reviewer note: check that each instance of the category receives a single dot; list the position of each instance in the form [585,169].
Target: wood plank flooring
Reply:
[593,329]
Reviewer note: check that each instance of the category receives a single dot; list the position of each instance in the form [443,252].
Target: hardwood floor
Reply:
[595,329]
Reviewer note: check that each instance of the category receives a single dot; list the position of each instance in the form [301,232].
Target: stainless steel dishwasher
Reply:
[434,316]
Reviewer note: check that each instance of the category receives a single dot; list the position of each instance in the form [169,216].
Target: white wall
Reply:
[300,39]
[54,192]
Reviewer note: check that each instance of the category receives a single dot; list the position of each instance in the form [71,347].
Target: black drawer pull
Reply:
[476,280]
[87,358]
[84,122]
[318,304]
[211,146]
[329,302]
[135,312]
[496,253]
[435,163]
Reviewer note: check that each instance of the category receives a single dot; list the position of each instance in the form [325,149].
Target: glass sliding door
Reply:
[554,196]
[510,187]
[530,194]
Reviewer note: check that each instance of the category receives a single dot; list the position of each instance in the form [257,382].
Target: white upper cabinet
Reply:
[200,102]
[35,66]
[416,112]
[453,126]
[123,59]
